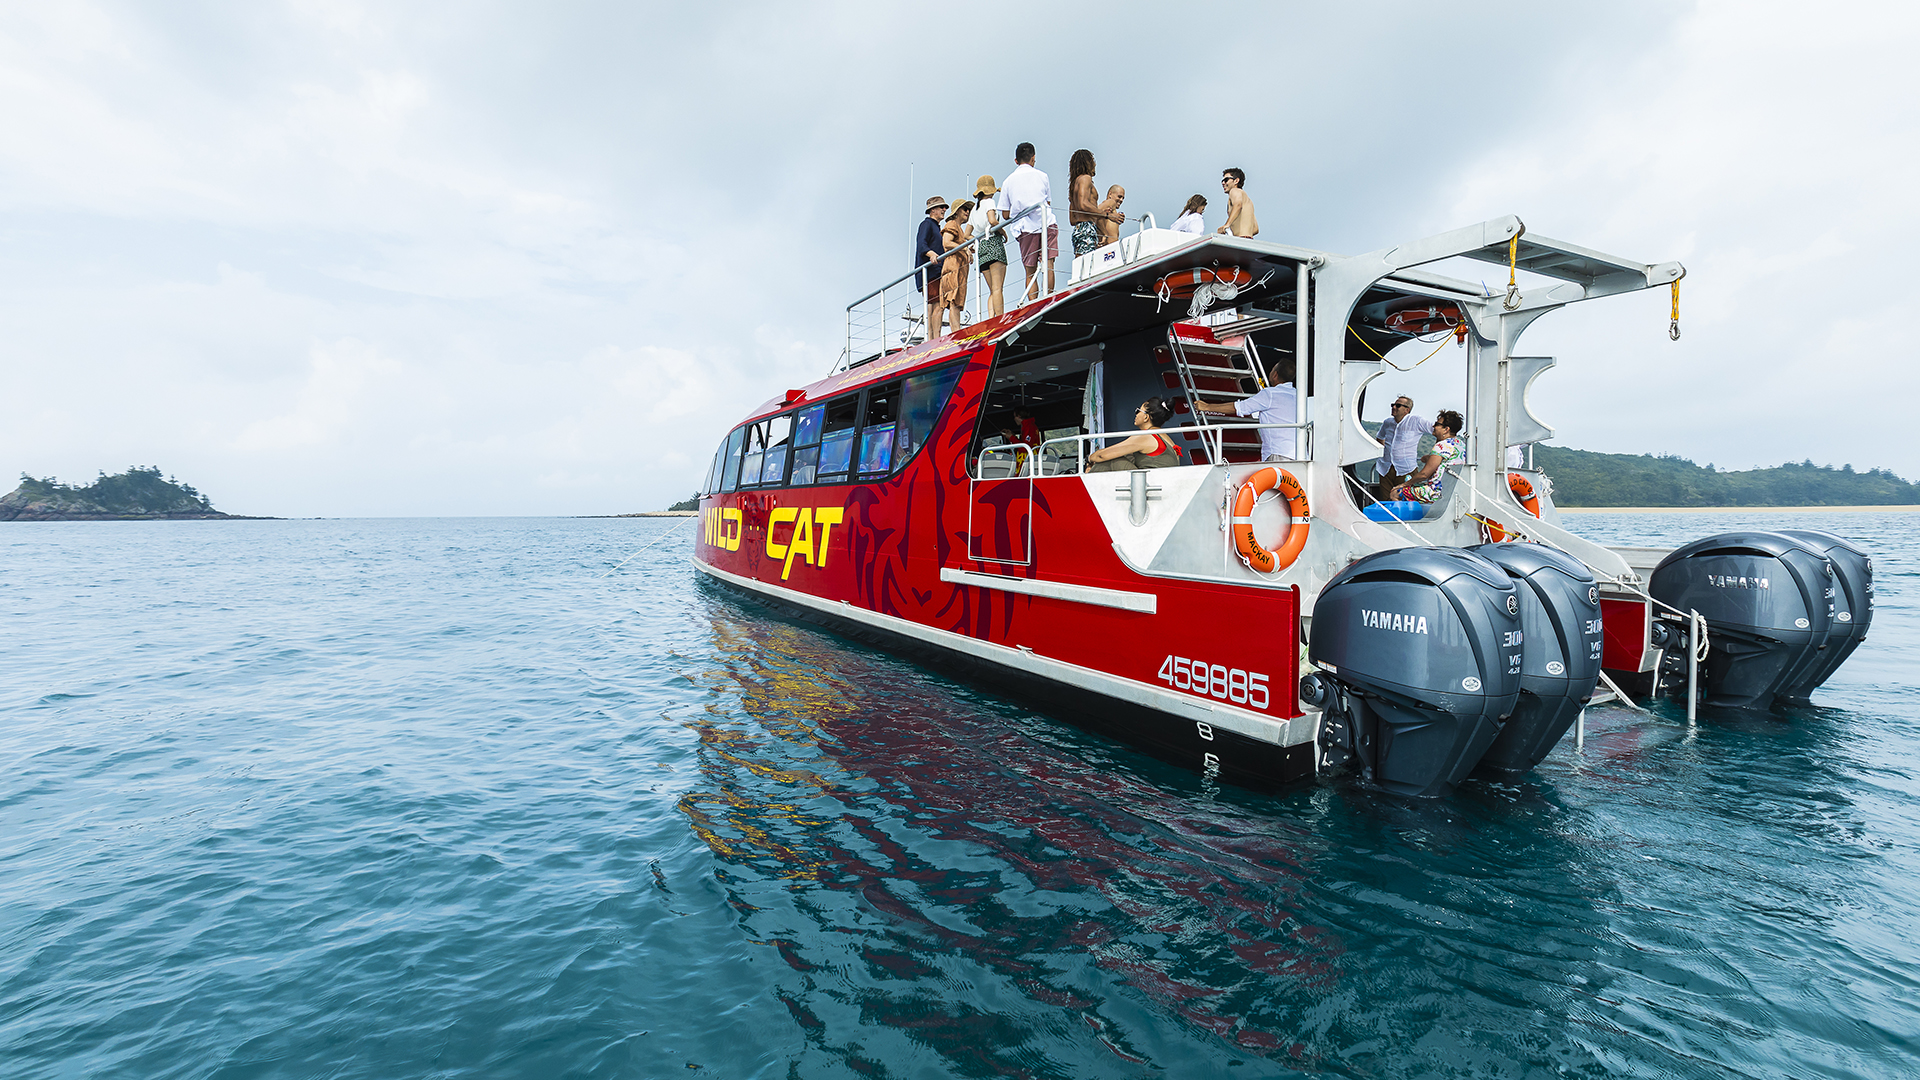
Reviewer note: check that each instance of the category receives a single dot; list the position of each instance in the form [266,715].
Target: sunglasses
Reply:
[1400,405]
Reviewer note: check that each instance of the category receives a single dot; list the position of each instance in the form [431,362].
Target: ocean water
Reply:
[443,798]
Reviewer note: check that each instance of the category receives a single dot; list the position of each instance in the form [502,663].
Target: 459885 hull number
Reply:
[1247,688]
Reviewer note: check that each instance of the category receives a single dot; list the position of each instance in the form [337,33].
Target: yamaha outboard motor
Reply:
[1419,651]
[1560,659]
[1765,600]
[1852,608]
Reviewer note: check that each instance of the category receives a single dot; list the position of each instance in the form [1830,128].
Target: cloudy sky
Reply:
[334,258]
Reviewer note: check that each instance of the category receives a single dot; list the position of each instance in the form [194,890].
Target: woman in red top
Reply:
[1151,449]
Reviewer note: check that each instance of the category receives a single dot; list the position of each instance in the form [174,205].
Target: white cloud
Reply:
[337,258]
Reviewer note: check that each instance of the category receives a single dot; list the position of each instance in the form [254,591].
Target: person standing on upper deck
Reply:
[992,249]
[928,248]
[1274,405]
[1189,220]
[1086,212]
[1110,223]
[1399,445]
[1240,219]
[1023,205]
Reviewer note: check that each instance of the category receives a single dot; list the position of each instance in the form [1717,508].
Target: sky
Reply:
[340,259]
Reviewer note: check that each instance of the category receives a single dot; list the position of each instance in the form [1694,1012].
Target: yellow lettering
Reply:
[730,527]
[802,542]
[780,514]
[826,517]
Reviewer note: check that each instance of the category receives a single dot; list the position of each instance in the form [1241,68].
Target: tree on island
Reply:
[140,492]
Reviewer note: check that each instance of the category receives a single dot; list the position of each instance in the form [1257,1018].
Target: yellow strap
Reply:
[1391,364]
[1513,267]
[1673,327]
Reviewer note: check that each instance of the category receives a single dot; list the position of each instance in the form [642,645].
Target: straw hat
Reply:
[933,201]
[985,187]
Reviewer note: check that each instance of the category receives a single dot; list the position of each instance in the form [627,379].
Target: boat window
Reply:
[877,428]
[732,452]
[922,397]
[773,470]
[836,437]
[711,483]
[809,431]
[1031,399]
[751,456]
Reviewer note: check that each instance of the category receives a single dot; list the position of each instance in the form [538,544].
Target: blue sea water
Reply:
[443,798]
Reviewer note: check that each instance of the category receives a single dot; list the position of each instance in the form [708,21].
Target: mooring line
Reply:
[651,546]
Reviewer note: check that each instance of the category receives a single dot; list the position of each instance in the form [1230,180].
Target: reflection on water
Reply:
[957,883]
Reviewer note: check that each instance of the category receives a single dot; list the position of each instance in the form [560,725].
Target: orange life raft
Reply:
[1251,551]
[1181,284]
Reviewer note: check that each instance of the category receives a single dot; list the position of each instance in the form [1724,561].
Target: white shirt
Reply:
[1402,441]
[1190,223]
[1274,405]
[1026,186]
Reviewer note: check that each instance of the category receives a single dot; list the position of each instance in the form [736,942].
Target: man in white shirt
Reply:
[1026,188]
[1400,445]
[1274,405]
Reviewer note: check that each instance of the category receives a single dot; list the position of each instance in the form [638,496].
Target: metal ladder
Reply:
[1238,363]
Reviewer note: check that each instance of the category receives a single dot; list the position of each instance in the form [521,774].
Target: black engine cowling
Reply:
[1766,600]
[1560,660]
[1852,599]
[1423,646]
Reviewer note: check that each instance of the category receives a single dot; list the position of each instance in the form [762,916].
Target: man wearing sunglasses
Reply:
[1400,444]
[1240,219]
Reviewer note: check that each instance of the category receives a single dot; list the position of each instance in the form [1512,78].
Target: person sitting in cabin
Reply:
[1151,449]
[1028,430]
[953,275]
[1399,437]
[1189,220]
[1240,219]
[991,251]
[1273,405]
[1085,210]
[1110,224]
[927,250]
[1448,449]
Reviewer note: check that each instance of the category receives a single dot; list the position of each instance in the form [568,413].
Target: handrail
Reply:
[1079,444]
[945,255]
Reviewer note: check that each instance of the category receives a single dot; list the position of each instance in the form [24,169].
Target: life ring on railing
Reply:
[1181,284]
[1251,552]
[1523,494]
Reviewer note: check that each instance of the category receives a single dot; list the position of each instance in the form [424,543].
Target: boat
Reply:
[1264,621]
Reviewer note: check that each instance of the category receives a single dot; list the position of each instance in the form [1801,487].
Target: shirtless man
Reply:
[1087,212]
[1240,219]
[1110,227]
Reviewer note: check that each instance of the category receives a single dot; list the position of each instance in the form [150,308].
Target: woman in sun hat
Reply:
[992,249]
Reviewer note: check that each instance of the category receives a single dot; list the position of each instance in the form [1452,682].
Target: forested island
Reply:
[1585,478]
[140,493]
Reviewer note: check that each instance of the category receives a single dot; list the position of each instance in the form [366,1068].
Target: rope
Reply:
[651,546]
[1673,327]
[1513,265]
[1391,364]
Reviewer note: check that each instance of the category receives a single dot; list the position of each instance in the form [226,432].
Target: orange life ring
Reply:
[1523,494]
[1180,284]
[1251,552]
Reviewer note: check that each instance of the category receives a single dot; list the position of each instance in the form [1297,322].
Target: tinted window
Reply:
[806,465]
[773,470]
[755,450]
[836,439]
[810,421]
[922,397]
[877,428]
[732,471]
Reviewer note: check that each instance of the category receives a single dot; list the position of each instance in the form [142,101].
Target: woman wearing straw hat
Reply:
[992,249]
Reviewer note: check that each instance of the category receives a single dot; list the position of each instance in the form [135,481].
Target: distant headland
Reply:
[139,494]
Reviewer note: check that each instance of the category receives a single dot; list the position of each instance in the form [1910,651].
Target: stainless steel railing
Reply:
[1067,455]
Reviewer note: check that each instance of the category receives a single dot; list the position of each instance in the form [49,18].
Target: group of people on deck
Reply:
[1021,209]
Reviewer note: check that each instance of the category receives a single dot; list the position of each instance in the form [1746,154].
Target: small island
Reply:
[141,493]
